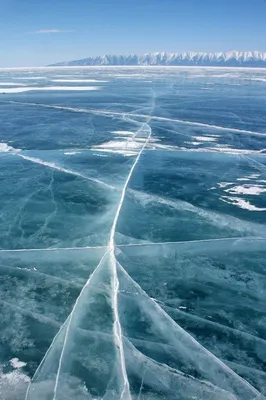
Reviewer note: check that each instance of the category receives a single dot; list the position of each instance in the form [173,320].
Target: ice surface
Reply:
[132,239]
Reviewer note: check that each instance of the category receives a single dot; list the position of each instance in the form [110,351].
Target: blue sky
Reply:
[39,32]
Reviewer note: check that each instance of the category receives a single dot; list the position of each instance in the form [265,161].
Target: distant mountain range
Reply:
[229,59]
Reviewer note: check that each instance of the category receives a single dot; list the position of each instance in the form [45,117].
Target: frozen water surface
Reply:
[132,235]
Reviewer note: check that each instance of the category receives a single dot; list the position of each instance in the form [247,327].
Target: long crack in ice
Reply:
[117,326]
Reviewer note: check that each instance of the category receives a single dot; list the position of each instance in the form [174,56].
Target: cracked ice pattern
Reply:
[132,257]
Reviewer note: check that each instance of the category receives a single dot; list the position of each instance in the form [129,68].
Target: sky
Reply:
[41,32]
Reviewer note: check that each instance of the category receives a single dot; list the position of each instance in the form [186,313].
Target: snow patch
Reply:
[122,145]
[13,385]
[16,363]
[4,148]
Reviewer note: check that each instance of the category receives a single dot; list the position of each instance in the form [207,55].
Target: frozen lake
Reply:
[132,234]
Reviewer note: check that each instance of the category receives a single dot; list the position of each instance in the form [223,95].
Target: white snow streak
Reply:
[47,88]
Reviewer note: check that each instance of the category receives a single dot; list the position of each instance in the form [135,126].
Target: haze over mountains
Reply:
[228,59]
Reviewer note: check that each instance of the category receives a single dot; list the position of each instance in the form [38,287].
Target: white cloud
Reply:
[43,31]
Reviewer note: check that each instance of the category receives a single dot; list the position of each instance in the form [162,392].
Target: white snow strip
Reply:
[30,77]
[125,153]
[205,138]
[119,145]
[247,189]
[78,80]
[47,88]
[256,79]
[254,176]
[10,84]
[193,143]
[237,201]
[230,150]
[126,133]
[216,149]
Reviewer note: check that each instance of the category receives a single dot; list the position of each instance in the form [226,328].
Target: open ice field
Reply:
[132,234]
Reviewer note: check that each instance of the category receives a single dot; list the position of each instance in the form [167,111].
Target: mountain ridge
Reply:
[229,59]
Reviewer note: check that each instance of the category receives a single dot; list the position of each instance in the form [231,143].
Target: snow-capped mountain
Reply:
[229,59]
